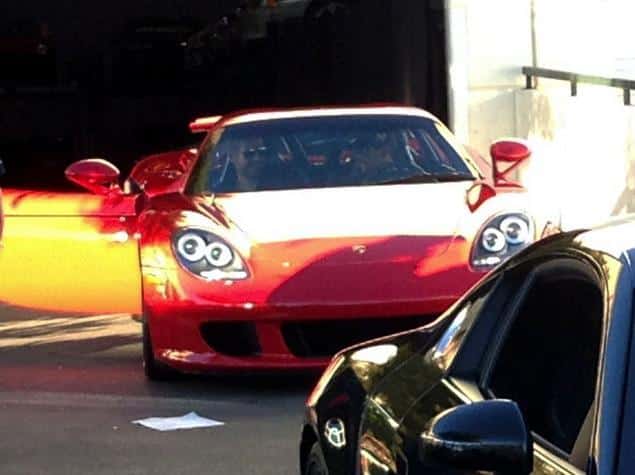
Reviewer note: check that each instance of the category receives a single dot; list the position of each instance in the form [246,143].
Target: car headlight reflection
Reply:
[208,256]
[501,237]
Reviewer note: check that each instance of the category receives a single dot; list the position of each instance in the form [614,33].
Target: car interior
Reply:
[549,358]
[250,159]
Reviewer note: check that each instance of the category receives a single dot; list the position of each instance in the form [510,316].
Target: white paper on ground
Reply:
[188,421]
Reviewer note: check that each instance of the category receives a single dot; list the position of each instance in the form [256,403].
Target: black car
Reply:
[533,369]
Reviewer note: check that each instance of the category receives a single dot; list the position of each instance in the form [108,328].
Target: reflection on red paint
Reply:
[72,252]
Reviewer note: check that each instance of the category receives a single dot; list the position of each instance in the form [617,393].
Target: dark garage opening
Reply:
[122,79]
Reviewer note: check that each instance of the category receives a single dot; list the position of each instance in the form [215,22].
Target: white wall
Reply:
[587,36]
[582,144]
[489,40]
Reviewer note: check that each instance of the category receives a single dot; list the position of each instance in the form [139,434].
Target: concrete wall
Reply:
[583,145]
[489,41]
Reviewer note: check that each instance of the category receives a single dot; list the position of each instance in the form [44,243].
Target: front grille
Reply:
[231,339]
[327,337]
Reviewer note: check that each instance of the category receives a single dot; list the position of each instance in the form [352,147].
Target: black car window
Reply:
[548,356]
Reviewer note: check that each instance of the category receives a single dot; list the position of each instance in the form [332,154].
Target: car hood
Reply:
[375,363]
[398,234]
[378,211]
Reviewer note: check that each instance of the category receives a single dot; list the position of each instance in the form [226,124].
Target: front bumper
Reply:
[198,327]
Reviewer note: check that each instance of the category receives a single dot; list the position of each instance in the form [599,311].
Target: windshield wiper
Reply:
[455,177]
[429,178]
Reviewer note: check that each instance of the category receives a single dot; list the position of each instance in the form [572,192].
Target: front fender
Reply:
[343,390]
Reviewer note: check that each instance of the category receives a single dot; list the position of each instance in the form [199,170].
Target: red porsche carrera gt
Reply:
[285,237]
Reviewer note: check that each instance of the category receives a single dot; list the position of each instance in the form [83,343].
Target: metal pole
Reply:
[534,46]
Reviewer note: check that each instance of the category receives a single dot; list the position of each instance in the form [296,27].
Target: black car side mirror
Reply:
[2,169]
[487,435]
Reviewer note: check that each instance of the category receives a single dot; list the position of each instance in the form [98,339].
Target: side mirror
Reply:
[477,194]
[507,156]
[3,170]
[95,175]
[483,436]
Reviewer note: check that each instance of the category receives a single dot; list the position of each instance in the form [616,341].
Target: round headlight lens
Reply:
[219,254]
[493,240]
[191,247]
[515,229]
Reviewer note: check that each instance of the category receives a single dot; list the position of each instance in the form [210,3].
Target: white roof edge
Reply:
[330,112]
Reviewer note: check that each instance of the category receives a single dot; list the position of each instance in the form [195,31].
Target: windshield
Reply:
[322,152]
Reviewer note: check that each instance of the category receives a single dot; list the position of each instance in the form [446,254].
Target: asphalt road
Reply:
[70,387]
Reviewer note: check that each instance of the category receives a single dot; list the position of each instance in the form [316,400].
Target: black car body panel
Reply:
[352,382]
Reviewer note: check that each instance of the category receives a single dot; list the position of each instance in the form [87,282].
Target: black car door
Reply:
[546,356]
[560,354]
[381,446]
[538,343]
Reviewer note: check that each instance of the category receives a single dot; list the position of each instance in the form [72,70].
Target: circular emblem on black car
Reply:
[335,433]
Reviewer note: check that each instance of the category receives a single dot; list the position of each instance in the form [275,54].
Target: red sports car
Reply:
[285,237]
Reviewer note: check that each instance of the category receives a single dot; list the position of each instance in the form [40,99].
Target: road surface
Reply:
[70,387]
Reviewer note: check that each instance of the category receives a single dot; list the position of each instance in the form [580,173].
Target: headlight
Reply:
[493,240]
[515,229]
[219,254]
[191,247]
[501,237]
[208,256]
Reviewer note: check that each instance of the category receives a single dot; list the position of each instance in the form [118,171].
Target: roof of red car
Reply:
[254,116]
[246,116]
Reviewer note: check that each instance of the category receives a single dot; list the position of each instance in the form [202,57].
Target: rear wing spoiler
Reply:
[204,124]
